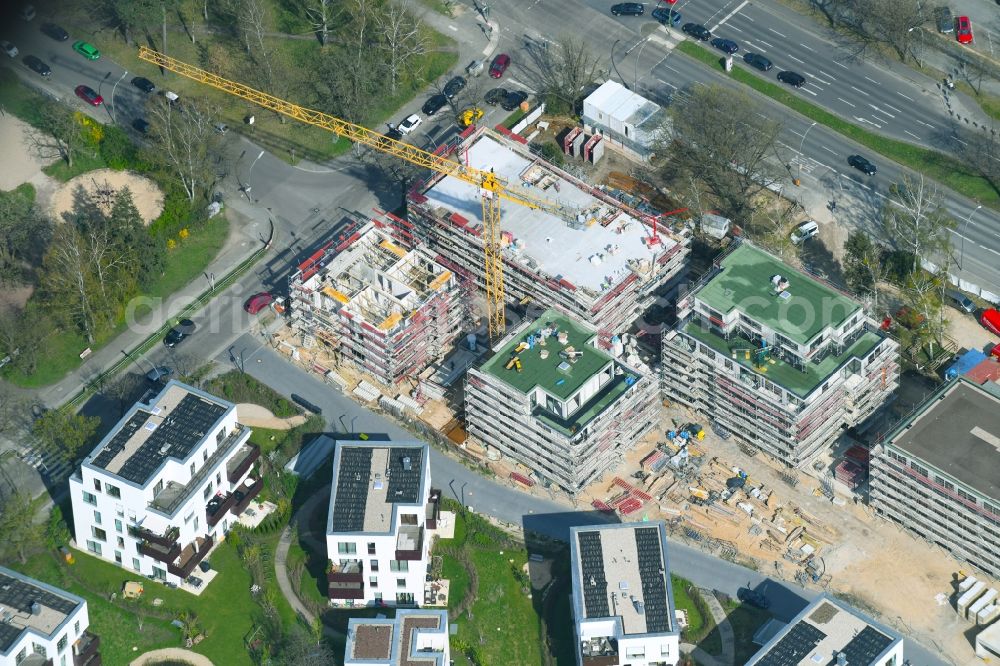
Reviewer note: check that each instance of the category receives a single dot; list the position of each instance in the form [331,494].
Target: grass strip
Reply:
[947,170]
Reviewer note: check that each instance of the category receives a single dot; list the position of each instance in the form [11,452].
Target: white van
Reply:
[805,231]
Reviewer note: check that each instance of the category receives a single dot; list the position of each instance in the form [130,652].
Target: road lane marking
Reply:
[872,80]
[771,46]
[860,91]
[847,103]
[840,64]
[827,149]
[733,27]
[808,91]
[672,69]
[667,83]
[912,134]
[960,141]
[829,76]
[820,79]
[730,15]
[795,59]
[752,45]
[777,33]
[892,107]
[453,28]
[906,96]
[881,111]
[806,47]
[923,123]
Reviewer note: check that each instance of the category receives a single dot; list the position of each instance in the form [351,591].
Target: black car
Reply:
[496,96]
[143,84]
[394,134]
[55,32]
[697,31]
[794,79]
[727,45]
[628,9]
[140,125]
[945,21]
[513,100]
[178,333]
[862,165]
[453,87]
[758,61]
[434,104]
[36,65]
[160,373]
[667,16]
[753,597]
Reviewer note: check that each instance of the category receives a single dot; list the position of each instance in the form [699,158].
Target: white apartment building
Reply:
[381,508]
[623,603]
[413,638]
[42,625]
[165,484]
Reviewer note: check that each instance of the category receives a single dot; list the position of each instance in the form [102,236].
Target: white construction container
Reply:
[970,597]
[987,615]
[966,583]
[981,603]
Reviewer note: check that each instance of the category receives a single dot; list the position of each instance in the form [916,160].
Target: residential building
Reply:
[165,484]
[830,632]
[553,401]
[388,309]
[937,473]
[594,259]
[630,123]
[381,508]
[623,603]
[777,357]
[412,638]
[41,625]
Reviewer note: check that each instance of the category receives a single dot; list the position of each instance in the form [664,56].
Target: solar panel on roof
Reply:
[794,646]
[594,582]
[868,644]
[352,489]
[18,595]
[653,579]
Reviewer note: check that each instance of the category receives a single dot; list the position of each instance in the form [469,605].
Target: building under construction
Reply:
[779,358]
[551,400]
[595,260]
[388,310]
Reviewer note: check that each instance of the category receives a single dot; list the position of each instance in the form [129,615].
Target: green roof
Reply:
[745,284]
[545,373]
[798,382]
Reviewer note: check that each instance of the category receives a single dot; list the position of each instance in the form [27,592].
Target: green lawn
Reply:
[745,621]
[684,600]
[945,169]
[239,387]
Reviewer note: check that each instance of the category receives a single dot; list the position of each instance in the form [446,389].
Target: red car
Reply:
[963,31]
[500,65]
[89,95]
[990,319]
[258,302]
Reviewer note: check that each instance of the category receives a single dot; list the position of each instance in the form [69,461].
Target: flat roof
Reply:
[172,425]
[394,641]
[625,106]
[595,257]
[798,382]
[370,479]
[621,571]
[825,628]
[957,431]
[744,284]
[17,595]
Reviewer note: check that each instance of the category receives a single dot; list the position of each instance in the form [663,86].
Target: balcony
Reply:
[245,494]
[168,538]
[433,512]
[189,558]
[600,651]
[218,506]
[409,542]
[346,581]
[241,463]
[162,547]
[85,650]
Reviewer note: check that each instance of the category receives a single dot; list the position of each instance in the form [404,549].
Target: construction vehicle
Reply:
[514,362]
[470,116]
[491,187]
[698,493]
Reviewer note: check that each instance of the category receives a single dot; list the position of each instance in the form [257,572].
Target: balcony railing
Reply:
[245,494]
[241,463]
[192,554]
[218,506]
[167,539]
[165,554]
[433,509]
[409,542]
[85,650]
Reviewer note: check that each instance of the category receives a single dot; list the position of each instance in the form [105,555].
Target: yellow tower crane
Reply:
[492,188]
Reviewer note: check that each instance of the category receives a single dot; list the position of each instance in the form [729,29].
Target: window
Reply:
[61,645]
[99,533]
[371,547]
[39,649]
[97,517]
[966,496]
[372,581]
[118,557]
[192,469]
[76,627]
[97,485]
[113,491]
[119,510]
[219,436]
[89,498]
[218,479]
[408,519]
[21,656]
[118,525]
[195,524]
[345,548]
[135,563]
[400,582]
[121,542]
[207,492]
[404,598]
[94,547]
[204,455]
[378,596]
[399,565]
[373,564]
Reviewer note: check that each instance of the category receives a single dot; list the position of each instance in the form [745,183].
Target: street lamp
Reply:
[113,89]
[246,188]
[802,143]
[961,260]
[613,65]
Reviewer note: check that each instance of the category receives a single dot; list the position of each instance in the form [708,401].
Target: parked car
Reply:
[990,319]
[963,30]
[89,95]
[143,84]
[159,373]
[513,100]
[758,61]
[945,21]
[258,302]
[87,50]
[499,66]
[961,301]
[628,9]
[469,116]
[805,231]
[394,134]
[667,16]
[410,123]
[55,32]
[8,48]
[697,31]
[495,96]
[141,125]
[453,87]
[36,65]
[176,335]
[794,79]
[434,104]
[726,45]
[862,164]
[753,597]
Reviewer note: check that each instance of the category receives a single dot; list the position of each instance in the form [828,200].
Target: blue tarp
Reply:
[965,362]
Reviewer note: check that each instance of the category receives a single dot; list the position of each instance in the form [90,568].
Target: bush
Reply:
[550,151]
[118,151]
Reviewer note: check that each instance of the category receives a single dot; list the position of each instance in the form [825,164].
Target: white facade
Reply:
[623,604]
[381,511]
[628,121]
[39,622]
[165,484]
[412,637]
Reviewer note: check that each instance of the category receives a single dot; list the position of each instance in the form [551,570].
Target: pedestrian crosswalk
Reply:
[53,468]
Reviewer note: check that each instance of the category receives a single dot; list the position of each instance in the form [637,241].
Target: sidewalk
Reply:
[466,28]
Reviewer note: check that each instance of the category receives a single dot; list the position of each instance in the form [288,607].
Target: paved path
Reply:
[281,558]
[725,634]
[172,654]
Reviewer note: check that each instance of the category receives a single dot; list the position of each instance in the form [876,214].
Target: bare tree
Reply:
[58,134]
[874,23]
[914,221]
[982,152]
[186,142]
[734,155]
[402,39]
[67,280]
[563,69]
[321,15]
